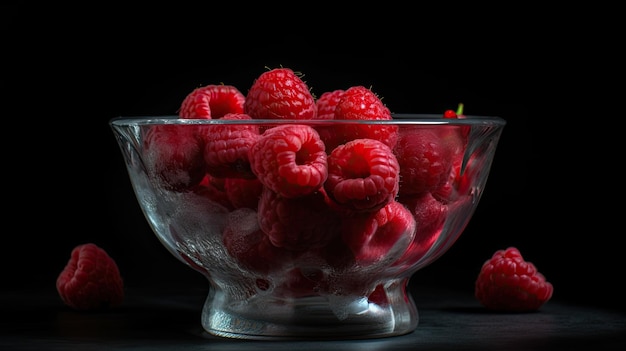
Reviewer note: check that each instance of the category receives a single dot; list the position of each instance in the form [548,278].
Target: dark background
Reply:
[68,71]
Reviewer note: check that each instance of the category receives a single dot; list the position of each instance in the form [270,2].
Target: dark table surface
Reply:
[160,319]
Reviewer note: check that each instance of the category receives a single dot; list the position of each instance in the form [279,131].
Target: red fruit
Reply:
[243,192]
[298,282]
[214,189]
[454,114]
[327,102]
[360,103]
[363,175]
[212,102]
[508,283]
[430,216]
[450,114]
[280,94]
[249,246]
[424,159]
[447,192]
[326,111]
[463,131]
[91,280]
[290,160]
[226,147]
[297,224]
[379,237]
[174,156]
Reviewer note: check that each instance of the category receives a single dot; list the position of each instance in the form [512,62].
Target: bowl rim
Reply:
[397,119]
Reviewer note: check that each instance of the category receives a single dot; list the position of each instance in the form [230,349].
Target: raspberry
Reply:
[362,175]
[174,156]
[214,189]
[447,192]
[430,216]
[249,246]
[454,114]
[212,102]
[463,131]
[424,161]
[290,160]
[327,103]
[381,236]
[367,242]
[297,224]
[360,103]
[226,147]
[450,114]
[431,159]
[243,192]
[91,280]
[280,94]
[300,282]
[508,283]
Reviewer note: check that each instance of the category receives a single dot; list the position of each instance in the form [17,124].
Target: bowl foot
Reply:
[311,317]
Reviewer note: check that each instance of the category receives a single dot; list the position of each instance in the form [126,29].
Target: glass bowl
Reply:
[301,232]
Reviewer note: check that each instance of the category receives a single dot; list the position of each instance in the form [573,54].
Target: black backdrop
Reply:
[68,74]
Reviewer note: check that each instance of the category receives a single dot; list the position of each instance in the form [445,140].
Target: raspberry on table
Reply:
[280,94]
[363,175]
[290,160]
[508,283]
[212,102]
[226,147]
[91,280]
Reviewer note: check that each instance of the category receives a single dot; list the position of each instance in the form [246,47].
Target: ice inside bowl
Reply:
[323,254]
